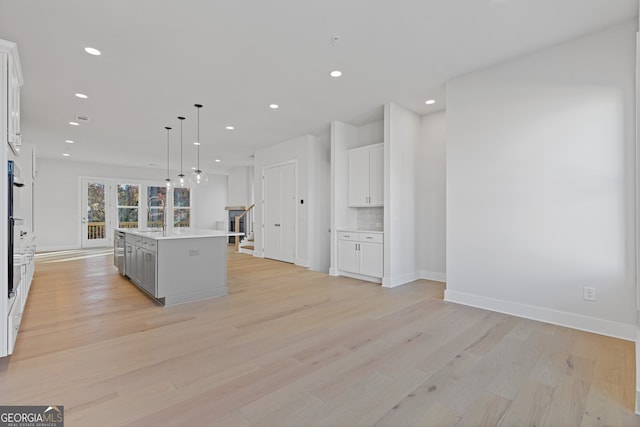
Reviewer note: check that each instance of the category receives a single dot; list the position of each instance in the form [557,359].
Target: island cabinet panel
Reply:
[191,269]
[149,272]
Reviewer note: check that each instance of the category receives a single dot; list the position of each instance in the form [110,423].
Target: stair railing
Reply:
[248,224]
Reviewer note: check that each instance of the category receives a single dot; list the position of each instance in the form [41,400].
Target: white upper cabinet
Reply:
[14,134]
[376,176]
[366,176]
[11,71]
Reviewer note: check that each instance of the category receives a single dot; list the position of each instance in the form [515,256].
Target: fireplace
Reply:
[235,211]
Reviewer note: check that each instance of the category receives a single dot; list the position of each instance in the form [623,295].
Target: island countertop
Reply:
[179,233]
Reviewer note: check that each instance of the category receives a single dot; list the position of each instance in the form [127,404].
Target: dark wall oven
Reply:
[14,219]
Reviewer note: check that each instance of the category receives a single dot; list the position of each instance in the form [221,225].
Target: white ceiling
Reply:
[159,57]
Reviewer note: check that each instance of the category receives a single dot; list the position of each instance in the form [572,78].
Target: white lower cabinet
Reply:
[361,253]
[21,293]
[371,259]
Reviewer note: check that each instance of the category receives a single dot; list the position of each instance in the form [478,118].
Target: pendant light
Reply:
[198,176]
[167,180]
[182,180]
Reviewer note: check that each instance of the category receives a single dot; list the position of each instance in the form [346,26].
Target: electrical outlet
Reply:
[588,293]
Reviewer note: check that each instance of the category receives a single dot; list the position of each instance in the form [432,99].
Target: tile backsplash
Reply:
[371,218]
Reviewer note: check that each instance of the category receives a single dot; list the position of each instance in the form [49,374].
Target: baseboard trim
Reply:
[359,276]
[392,282]
[433,275]
[561,318]
[57,248]
[301,262]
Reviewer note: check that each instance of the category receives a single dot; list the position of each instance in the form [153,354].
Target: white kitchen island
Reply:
[178,266]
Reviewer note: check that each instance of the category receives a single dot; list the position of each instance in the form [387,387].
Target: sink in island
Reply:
[178,266]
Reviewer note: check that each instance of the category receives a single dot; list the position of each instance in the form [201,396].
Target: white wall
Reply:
[208,202]
[402,138]
[319,247]
[431,197]
[57,203]
[541,184]
[300,150]
[240,186]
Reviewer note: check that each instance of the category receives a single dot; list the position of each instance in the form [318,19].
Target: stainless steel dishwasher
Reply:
[118,251]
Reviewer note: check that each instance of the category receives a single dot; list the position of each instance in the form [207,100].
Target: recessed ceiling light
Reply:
[229,128]
[196,143]
[73,123]
[92,51]
[335,73]
[68,141]
[81,95]
[66,154]
[217,160]
[274,106]
[430,101]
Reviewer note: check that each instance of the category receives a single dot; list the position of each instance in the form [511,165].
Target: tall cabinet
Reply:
[357,217]
[10,81]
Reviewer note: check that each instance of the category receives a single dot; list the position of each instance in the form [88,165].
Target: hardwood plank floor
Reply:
[290,347]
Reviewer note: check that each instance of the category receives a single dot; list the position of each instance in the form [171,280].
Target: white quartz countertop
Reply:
[179,233]
[356,230]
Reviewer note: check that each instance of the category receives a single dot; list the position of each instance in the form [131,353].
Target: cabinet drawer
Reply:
[347,235]
[138,240]
[371,237]
[149,244]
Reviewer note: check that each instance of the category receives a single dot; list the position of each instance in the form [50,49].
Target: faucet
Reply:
[164,213]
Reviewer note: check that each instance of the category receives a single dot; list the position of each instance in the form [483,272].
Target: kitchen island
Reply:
[178,266]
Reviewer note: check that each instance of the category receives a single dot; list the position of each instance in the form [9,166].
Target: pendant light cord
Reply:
[199,137]
[181,171]
[168,129]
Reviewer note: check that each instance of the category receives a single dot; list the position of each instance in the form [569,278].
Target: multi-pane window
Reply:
[128,205]
[156,201]
[181,207]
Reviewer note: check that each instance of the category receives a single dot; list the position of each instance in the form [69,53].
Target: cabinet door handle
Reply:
[277,225]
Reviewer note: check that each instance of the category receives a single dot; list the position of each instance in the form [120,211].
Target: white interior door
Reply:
[96,214]
[279,212]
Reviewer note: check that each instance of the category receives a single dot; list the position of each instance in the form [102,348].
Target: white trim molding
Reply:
[561,318]
[433,275]
[392,282]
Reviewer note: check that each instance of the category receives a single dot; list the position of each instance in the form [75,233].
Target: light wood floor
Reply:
[289,347]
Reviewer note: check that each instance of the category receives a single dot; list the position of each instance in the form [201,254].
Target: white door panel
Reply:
[272,213]
[96,214]
[279,212]
[288,229]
